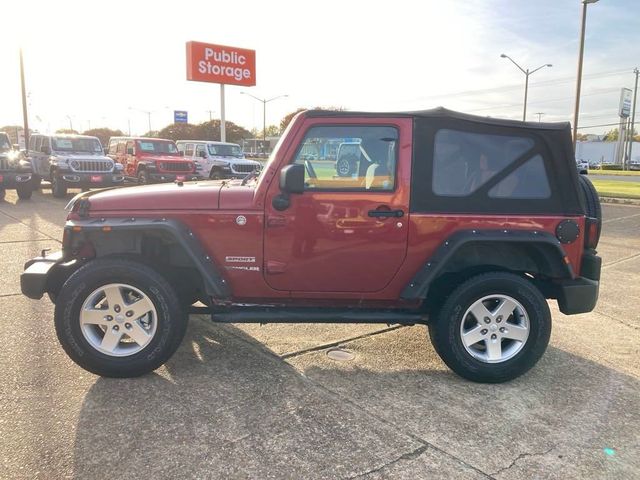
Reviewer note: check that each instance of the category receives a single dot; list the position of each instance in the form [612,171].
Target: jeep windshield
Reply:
[4,143]
[76,145]
[158,147]
[225,150]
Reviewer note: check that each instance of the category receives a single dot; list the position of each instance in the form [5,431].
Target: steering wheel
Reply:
[310,170]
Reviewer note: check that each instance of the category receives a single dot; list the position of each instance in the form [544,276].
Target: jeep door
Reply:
[342,234]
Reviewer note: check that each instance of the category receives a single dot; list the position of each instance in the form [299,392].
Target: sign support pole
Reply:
[223,133]
[25,116]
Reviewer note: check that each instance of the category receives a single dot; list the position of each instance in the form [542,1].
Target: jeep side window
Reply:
[121,149]
[113,147]
[349,157]
[188,150]
[528,181]
[463,161]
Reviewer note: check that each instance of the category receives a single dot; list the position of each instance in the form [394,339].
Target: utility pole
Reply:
[539,115]
[633,115]
[576,111]
[25,116]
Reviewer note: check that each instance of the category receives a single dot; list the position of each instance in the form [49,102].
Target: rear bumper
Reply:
[37,271]
[91,179]
[581,294]
[13,179]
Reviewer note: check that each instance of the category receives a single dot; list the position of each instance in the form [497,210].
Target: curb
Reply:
[622,201]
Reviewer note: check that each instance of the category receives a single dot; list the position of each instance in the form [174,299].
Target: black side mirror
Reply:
[46,150]
[292,178]
[202,154]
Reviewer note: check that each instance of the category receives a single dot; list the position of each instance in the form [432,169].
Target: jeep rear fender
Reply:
[130,233]
[517,250]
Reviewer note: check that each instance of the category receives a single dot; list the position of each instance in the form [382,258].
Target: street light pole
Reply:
[25,116]
[576,111]
[264,111]
[633,116]
[527,73]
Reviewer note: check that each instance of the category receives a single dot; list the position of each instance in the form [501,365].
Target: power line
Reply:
[556,81]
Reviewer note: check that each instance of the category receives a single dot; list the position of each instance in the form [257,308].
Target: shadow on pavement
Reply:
[225,406]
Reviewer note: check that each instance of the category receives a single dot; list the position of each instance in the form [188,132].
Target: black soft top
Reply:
[441,112]
[551,140]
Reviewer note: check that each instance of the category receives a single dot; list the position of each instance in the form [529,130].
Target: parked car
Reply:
[15,170]
[217,160]
[634,165]
[595,165]
[582,166]
[151,160]
[466,224]
[71,161]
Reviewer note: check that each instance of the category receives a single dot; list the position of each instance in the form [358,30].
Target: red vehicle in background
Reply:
[466,224]
[151,160]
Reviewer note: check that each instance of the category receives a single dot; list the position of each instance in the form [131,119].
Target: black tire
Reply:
[58,187]
[346,166]
[446,335]
[36,181]
[143,177]
[591,202]
[24,190]
[171,317]
[3,193]
[215,174]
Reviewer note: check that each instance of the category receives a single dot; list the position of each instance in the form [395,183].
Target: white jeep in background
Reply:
[217,160]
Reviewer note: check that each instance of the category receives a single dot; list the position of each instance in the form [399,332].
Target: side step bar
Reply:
[258,314]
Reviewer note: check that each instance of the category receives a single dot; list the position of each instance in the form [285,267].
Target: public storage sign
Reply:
[221,64]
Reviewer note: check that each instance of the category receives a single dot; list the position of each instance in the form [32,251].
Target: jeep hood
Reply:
[191,196]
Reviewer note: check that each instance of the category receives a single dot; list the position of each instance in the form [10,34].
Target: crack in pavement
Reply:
[520,457]
[636,255]
[635,327]
[30,226]
[412,455]
[324,346]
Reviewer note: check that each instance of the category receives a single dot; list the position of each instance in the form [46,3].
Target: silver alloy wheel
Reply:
[344,167]
[494,328]
[118,320]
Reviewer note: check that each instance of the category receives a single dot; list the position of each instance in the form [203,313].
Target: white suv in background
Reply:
[218,160]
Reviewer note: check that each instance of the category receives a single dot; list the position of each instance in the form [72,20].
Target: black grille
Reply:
[4,164]
[244,168]
[91,165]
[175,166]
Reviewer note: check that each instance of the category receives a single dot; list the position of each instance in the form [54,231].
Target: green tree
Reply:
[103,134]
[272,131]
[67,130]
[284,123]
[612,135]
[204,131]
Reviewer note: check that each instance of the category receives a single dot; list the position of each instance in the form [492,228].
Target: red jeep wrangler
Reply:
[151,160]
[462,223]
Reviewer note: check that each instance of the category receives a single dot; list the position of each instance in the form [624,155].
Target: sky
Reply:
[94,64]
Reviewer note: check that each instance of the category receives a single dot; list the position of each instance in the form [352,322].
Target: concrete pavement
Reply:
[254,401]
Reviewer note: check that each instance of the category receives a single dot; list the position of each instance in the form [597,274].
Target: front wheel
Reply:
[492,328]
[116,317]
[25,190]
[58,187]
[143,177]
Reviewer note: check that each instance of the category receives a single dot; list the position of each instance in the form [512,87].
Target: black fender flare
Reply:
[418,287]
[214,283]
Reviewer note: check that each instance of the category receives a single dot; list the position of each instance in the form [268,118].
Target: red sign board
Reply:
[221,64]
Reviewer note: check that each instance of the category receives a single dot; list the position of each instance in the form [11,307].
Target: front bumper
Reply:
[13,179]
[82,179]
[37,273]
[580,295]
[172,177]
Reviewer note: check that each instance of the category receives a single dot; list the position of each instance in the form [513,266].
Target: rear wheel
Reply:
[25,190]
[119,318]
[58,187]
[492,328]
